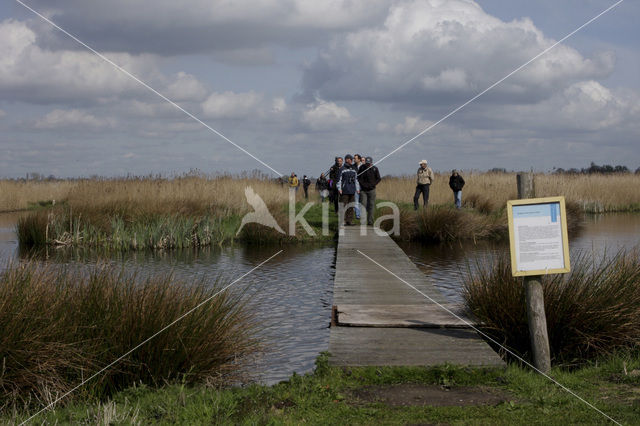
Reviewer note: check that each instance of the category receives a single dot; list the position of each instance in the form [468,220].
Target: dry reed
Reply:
[595,193]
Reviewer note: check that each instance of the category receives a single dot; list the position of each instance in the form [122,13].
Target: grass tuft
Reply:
[60,326]
[591,312]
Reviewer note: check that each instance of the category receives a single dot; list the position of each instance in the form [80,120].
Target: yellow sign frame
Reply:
[565,239]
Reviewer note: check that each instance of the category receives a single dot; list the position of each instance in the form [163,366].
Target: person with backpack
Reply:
[348,186]
[456,183]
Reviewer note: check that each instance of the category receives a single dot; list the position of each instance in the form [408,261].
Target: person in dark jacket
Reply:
[456,183]
[369,178]
[333,181]
[348,186]
[305,185]
[322,186]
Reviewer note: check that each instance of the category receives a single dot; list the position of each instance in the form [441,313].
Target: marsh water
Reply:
[292,293]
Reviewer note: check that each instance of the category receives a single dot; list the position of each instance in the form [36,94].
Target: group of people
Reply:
[352,181]
[294,182]
[423,183]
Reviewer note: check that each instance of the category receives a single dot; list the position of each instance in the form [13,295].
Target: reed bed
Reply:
[595,193]
[59,326]
[591,312]
[21,195]
[195,210]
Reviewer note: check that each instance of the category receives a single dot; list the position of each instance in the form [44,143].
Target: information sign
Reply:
[538,236]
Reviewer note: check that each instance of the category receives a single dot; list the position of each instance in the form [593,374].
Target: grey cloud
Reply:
[196,26]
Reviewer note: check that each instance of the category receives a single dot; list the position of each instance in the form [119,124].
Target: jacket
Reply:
[368,177]
[293,182]
[305,183]
[321,184]
[348,180]
[425,176]
[456,183]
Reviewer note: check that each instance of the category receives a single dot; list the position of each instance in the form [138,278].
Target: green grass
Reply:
[330,396]
[119,230]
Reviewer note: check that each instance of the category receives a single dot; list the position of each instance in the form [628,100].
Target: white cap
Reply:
[423,161]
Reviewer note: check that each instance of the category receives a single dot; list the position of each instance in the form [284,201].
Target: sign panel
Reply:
[538,236]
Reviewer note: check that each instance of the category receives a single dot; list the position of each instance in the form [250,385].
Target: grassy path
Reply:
[401,395]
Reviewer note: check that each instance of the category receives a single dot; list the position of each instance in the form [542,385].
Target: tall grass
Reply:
[491,191]
[59,326]
[592,311]
[440,223]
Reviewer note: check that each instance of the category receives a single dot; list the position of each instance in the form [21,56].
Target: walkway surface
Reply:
[380,320]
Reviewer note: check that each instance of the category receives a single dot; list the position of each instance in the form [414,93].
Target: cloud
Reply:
[186,87]
[196,26]
[30,73]
[431,52]
[231,105]
[74,118]
[412,126]
[326,116]
[2,113]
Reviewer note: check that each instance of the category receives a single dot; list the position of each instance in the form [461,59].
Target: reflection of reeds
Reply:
[59,327]
[592,311]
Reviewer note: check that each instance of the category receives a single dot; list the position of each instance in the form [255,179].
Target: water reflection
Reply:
[291,295]
[446,264]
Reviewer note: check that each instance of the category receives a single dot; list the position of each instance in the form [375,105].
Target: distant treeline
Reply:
[594,168]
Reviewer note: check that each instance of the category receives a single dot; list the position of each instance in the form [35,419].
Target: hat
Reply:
[348,157]
[369,160]
[423,161]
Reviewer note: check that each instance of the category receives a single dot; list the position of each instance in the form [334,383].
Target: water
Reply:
[446,264]
[293,292]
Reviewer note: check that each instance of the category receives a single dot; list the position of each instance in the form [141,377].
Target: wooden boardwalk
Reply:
[380,320]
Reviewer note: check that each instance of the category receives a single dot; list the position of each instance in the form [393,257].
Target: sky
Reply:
[282,86]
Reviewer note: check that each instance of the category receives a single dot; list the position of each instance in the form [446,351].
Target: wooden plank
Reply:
[425,315]
[380,320]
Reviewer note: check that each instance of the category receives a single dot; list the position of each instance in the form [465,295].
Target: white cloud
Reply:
[323,115]
[186,87]
[279,105]
[75,118]
[231,105]
[412,126]
[430,51]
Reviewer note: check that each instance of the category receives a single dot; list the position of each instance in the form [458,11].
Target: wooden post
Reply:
[534,296]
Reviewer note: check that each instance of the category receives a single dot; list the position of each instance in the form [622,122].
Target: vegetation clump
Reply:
[60,326]
[591,312]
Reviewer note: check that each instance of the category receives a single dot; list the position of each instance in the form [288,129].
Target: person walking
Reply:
[423,182]
[322,186]
[456,183]
[369,178]
[334,173]
[305,185]
[293,181]
[348,186]
[357,162]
